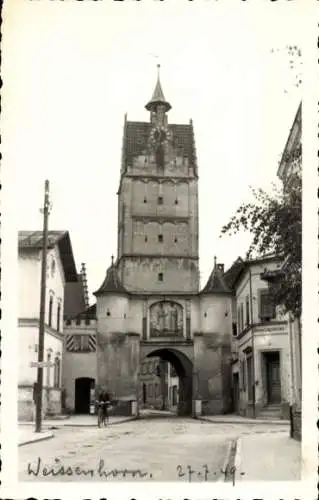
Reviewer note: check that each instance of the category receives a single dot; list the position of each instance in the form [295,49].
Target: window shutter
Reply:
[267,307]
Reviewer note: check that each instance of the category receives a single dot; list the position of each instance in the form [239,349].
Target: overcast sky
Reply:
[76,68]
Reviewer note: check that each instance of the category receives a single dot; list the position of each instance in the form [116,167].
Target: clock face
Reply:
[159,136]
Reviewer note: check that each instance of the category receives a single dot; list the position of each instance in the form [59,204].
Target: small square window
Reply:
[160,238]
[160,200]
[160,276]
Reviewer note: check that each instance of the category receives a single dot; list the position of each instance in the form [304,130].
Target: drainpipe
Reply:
[252,343]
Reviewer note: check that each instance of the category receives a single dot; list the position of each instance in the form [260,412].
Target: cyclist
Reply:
[103,404]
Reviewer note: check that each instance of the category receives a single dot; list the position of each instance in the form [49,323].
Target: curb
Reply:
[95,425]
[226,461]
[238,461]
[60,424]
[257,422]
[49,435]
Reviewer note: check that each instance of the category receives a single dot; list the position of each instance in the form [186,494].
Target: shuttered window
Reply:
[267,306]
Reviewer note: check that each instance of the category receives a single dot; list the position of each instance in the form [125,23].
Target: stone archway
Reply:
[184,370]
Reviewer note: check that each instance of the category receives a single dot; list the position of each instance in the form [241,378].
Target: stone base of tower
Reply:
[213,375]
[118,367]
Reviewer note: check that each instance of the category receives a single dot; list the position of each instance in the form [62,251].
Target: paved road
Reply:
[170,449]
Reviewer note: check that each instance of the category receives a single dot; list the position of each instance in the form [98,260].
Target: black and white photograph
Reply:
[154,170]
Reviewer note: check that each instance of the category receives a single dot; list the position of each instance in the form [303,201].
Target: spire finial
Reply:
[112,260]
[158,96]
[215,261]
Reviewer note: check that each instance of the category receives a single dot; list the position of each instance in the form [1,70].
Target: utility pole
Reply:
[45,211]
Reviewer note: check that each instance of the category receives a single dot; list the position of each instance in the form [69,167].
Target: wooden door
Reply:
[273,376]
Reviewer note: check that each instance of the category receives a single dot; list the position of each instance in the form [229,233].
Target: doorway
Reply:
[236,393]
[84,387]
[273,377]
[144,396]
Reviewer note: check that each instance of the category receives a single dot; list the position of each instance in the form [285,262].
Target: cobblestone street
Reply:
[159,449]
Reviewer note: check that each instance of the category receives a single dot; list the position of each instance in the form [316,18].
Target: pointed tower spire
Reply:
[158,96]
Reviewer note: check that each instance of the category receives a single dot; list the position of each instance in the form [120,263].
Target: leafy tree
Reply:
[274,220]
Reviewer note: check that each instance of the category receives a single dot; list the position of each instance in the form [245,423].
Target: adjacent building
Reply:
[61,271]
[290,173]
[261,370]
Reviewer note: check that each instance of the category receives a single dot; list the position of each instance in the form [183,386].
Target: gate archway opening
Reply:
[165,384]
[84,390]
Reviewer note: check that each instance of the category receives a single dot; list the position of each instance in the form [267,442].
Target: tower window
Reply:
[160,277]
[160,238]
[160,200]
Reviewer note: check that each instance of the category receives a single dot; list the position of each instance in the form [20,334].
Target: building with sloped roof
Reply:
[61,274]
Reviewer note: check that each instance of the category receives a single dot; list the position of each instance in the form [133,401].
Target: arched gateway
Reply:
[184,370]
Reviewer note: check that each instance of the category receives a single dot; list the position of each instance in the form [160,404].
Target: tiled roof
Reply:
[112,283]
[137,134]
[233,272]
[89,313]
[33,240]
[74,300]
[216,283]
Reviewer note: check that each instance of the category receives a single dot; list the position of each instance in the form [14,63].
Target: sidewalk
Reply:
[237,419]
[267,457]
[27,436]
[77,421]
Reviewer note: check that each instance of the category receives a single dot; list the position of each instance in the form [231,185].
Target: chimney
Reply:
[85,285]
[220,268]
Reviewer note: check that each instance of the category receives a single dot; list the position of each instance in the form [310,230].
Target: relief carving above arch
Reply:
[166,319]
